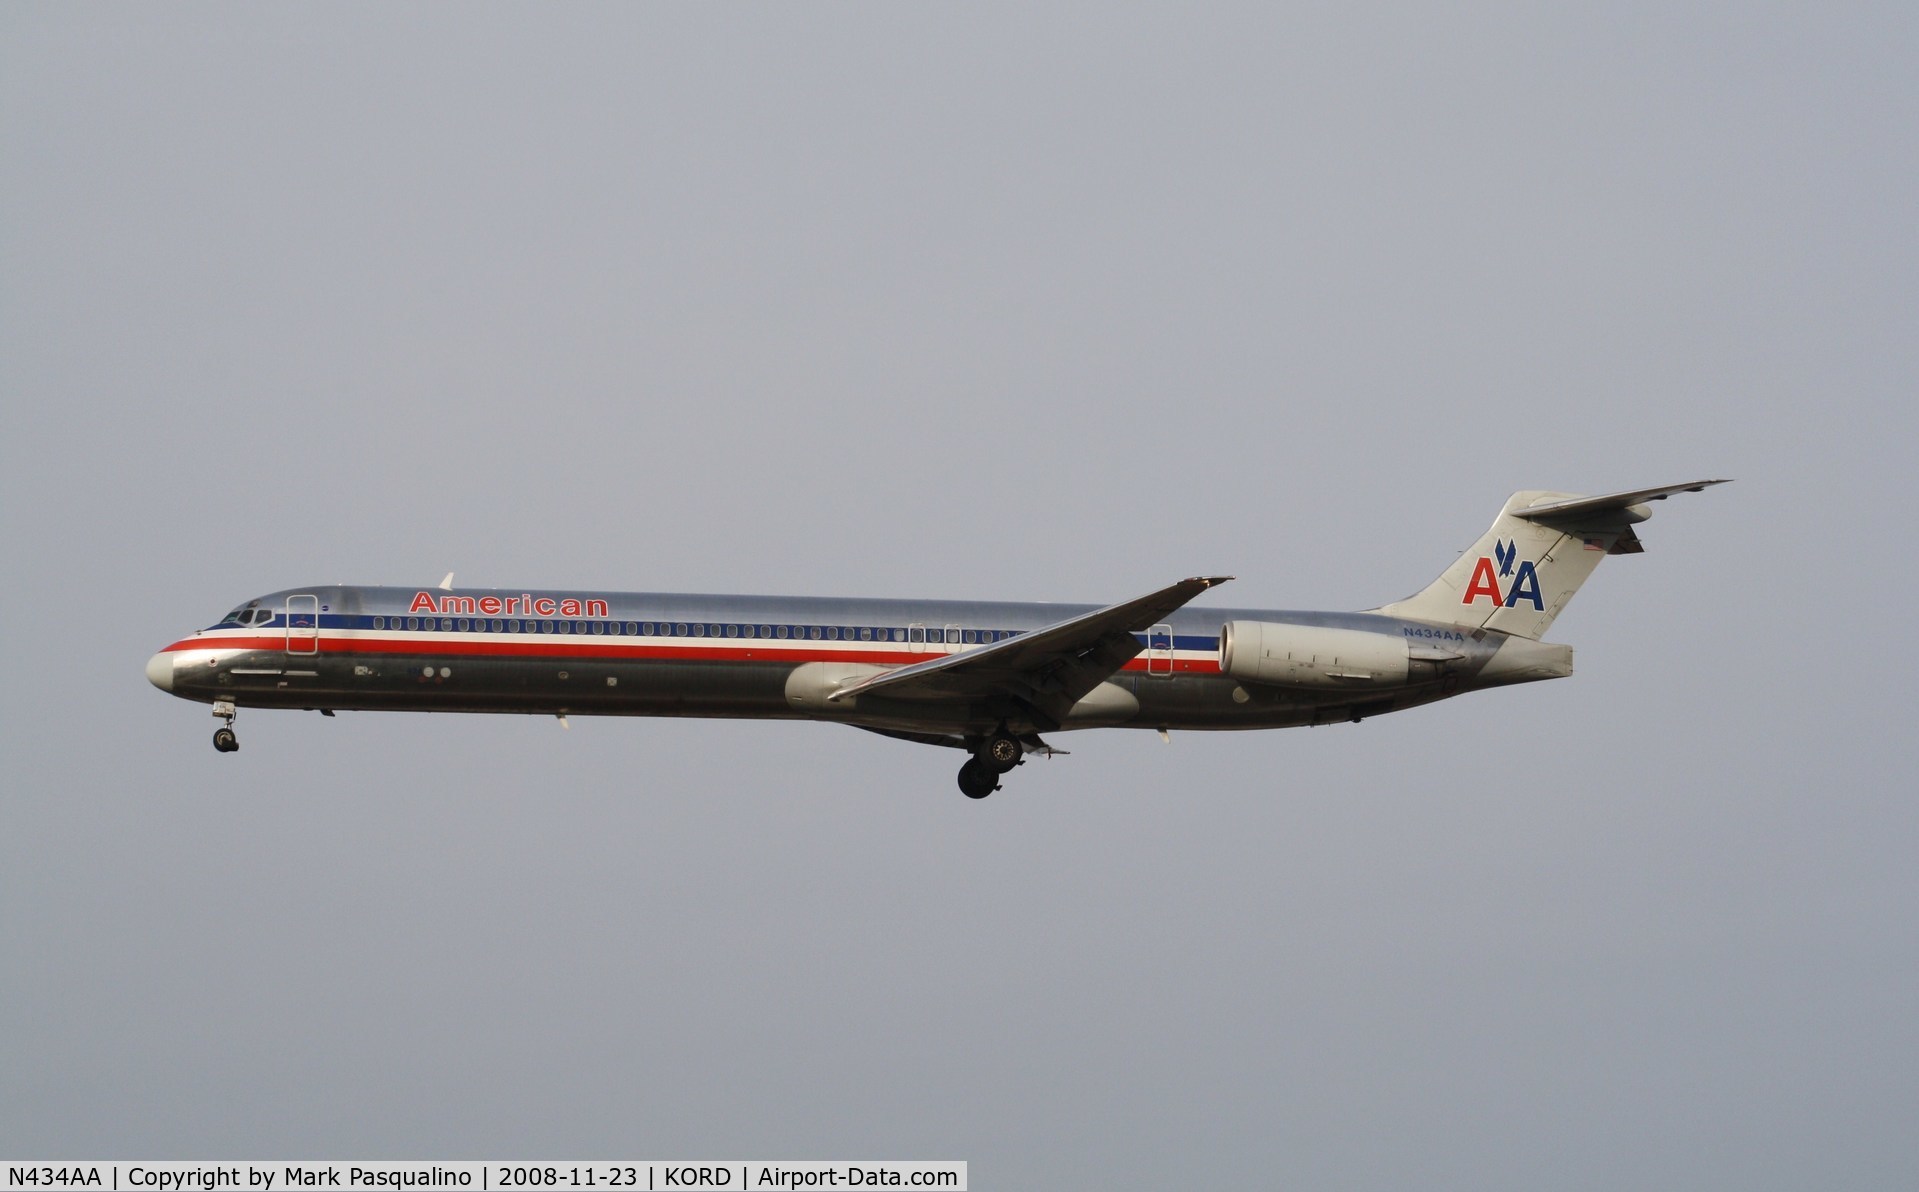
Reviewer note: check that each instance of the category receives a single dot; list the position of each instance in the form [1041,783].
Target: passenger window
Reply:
[633,629]
[866,633]
[779,631]
[814,633]
[646,628]
[379,622]
[463,624]
[916,633]
[679,630]
[967,637]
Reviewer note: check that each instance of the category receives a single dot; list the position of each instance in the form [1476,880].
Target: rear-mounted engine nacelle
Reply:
[1312,656]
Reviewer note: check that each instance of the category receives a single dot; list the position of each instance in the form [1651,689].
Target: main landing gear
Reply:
[224,739]
[992,757]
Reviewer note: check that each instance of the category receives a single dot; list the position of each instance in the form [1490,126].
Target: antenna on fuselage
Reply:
[446,585]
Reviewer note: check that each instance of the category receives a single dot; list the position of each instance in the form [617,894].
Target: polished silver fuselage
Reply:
[648,654]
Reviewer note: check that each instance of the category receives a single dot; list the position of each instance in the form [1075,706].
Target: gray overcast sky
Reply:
[983,302]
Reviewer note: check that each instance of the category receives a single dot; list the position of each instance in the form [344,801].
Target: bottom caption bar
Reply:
[735,1176]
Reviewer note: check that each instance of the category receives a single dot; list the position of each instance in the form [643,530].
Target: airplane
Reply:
[984,678]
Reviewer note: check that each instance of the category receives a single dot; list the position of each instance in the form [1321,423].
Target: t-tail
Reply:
[1523,572]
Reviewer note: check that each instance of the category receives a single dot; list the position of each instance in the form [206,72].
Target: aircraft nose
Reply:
[160,671]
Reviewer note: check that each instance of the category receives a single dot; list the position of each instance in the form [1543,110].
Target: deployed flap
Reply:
[1030,742]
[950,740]
[1046,671]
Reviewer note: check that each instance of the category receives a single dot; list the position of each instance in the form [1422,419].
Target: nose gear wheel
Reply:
[224,739]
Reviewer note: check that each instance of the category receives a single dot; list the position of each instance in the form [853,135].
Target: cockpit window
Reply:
[246,614]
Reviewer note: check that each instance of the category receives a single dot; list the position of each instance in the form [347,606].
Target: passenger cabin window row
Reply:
[917,634]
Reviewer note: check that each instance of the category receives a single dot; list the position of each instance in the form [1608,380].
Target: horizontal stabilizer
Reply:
[1580,508]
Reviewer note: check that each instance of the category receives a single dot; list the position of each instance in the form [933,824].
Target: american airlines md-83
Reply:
[984,678]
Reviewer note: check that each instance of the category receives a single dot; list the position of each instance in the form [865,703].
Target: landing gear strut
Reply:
[223,738]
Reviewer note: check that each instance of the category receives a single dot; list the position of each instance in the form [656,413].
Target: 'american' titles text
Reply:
[525,605]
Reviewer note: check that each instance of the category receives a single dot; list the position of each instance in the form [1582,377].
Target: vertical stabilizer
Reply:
[1523,571]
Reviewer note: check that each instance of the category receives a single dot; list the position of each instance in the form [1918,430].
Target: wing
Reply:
[1046,671]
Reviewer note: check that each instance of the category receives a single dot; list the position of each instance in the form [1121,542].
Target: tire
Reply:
[977,781]
[1001,752]
[225,741]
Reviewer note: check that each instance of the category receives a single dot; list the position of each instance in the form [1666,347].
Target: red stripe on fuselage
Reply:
[616,650]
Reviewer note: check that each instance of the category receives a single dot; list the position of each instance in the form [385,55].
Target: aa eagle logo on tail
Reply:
[1485,581]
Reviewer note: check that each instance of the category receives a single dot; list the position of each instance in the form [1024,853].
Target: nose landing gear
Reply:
[224,739]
